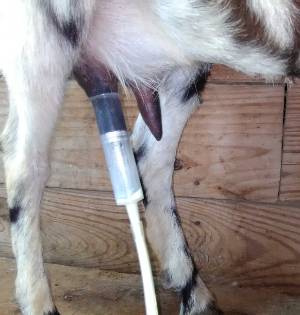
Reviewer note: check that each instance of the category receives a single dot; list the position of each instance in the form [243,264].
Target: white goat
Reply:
[165,46]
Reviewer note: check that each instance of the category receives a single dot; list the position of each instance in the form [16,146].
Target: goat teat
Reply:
[97,80]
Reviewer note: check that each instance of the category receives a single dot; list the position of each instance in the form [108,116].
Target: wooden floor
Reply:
[90,291]
[237,181]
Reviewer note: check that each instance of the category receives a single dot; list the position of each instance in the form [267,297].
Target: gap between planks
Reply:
[251,244]
[237,154]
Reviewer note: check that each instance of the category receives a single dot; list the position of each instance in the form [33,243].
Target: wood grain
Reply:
[251,244]
[231,148]
[290,182]
[223,74]
[93,292]
[87,292]
[237,153]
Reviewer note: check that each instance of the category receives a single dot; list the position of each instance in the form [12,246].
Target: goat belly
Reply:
[128,41]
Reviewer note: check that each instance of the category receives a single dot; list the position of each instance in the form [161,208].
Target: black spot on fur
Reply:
[197,85]
[70,31]
[186,292]
[14,214]
[176,216]
[54,312]
[187,302]
[140,153]
[15,207]
[292,57]
[69,27]
[145,200]
[187,252]
[178,165]
[292,70]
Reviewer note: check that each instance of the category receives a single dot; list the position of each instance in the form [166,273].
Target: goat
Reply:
[160,48]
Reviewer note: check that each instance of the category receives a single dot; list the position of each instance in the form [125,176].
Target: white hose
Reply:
[140,242]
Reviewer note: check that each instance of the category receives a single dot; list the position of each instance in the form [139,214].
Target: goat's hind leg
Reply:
[178,100]
[25,144]
[35,75]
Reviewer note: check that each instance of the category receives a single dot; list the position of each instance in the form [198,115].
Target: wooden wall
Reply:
[237,180]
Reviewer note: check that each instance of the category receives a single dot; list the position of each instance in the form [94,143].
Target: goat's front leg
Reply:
[156,165]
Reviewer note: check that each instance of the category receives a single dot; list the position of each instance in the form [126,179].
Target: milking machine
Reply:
[102,90]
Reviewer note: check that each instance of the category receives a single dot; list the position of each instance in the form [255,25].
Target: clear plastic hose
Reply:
[140,242]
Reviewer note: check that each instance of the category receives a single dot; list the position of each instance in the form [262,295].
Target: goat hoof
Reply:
[211,309]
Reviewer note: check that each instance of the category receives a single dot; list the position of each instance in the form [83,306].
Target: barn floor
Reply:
[93,292]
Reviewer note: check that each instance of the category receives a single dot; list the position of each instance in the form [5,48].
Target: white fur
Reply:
[160,43]
[140,39]
[171,33]
[278,17]
[163,231]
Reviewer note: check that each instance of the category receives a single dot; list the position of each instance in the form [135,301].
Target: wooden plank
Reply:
[231,147]
[86,291]
[223,74]
[237,153]
[94,292]
[290,182]
[249,243]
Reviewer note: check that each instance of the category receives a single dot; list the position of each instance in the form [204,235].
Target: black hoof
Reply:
[211,309]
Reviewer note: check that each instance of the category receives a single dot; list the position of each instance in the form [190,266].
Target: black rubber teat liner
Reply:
[109,114]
